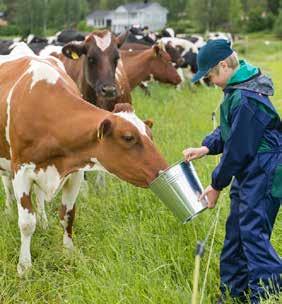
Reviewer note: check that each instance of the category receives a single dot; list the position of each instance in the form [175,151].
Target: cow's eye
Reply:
[128,138]
[91,60]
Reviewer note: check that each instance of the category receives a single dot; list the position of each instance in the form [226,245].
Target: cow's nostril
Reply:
[109,91]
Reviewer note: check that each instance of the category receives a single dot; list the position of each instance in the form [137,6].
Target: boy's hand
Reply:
[193,153]
[212,196]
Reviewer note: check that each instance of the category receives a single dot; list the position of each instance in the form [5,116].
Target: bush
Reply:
[257,21]
[9,30]
[83,27]
[182,26]
[278,25]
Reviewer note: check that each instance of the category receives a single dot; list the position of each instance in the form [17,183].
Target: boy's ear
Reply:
[223,64]
[74,50]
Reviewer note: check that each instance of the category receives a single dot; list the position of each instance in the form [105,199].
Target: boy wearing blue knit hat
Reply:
[250,140]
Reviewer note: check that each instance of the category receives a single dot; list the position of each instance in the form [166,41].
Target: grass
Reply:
[129,247]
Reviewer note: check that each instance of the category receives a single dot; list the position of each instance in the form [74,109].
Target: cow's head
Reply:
[175,54]
[100,50]
[125,147]
[162,68]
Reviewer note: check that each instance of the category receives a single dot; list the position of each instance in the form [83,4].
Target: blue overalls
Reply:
[250,140]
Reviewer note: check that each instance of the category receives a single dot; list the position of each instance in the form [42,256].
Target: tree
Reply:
[273,6]
[278,25]
[209,15]
[235,15]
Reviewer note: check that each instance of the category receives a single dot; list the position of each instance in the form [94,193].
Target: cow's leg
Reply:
[67,213]
[9,193]
[27,219]
[144,86]
[40,201]
[181,75]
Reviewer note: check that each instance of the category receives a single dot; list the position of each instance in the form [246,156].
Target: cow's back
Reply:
[30,90]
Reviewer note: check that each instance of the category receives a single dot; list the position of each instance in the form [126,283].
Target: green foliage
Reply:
[211,15]
[9,30]
[258,20]
[235,16]
[83,27]
[278,25]
[183,25]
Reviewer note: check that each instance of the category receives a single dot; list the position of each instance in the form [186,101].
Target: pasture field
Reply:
[130,249]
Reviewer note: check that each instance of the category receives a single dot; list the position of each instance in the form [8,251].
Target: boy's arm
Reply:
[214,142]
[247,128]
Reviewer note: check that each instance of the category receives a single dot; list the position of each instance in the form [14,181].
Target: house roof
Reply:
[99,13]
[136,6]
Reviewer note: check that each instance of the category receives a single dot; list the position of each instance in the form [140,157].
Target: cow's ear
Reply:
[74,50]
[105,129]
[149,123]
[121,39]
[122,107]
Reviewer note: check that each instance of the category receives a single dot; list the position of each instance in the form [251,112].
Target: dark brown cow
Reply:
[173,52]
[92,64]
[50,136]
[153,62]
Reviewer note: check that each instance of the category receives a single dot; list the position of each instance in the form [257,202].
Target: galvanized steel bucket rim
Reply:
[164,171]
[189,218]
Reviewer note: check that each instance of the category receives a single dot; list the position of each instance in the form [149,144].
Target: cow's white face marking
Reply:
[104,42]
[42,71]
[136,121]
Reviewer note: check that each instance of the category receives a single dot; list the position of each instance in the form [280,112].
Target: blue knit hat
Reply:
[210,55]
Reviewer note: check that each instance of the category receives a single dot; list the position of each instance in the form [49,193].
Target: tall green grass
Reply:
[129,247]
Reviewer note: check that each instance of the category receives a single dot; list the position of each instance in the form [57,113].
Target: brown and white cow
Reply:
[50,136]
[93,65]
[173,52]
[149,63]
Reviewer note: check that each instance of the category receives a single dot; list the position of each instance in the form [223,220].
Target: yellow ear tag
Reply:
[99,135]
[74,55]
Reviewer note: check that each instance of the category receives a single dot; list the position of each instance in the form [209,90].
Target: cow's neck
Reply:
[138,67]
[72,141]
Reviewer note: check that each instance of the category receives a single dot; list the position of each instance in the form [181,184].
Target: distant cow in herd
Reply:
[40,104]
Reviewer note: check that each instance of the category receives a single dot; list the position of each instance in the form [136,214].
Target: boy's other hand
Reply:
[212,196]
[194,153]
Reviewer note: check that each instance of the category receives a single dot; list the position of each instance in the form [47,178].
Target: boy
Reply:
[250,140]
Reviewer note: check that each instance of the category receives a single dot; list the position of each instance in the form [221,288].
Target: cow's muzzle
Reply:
[109,91]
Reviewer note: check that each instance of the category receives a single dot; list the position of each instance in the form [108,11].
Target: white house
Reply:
[144,13]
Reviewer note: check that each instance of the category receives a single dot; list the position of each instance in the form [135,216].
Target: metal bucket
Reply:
[179,188]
